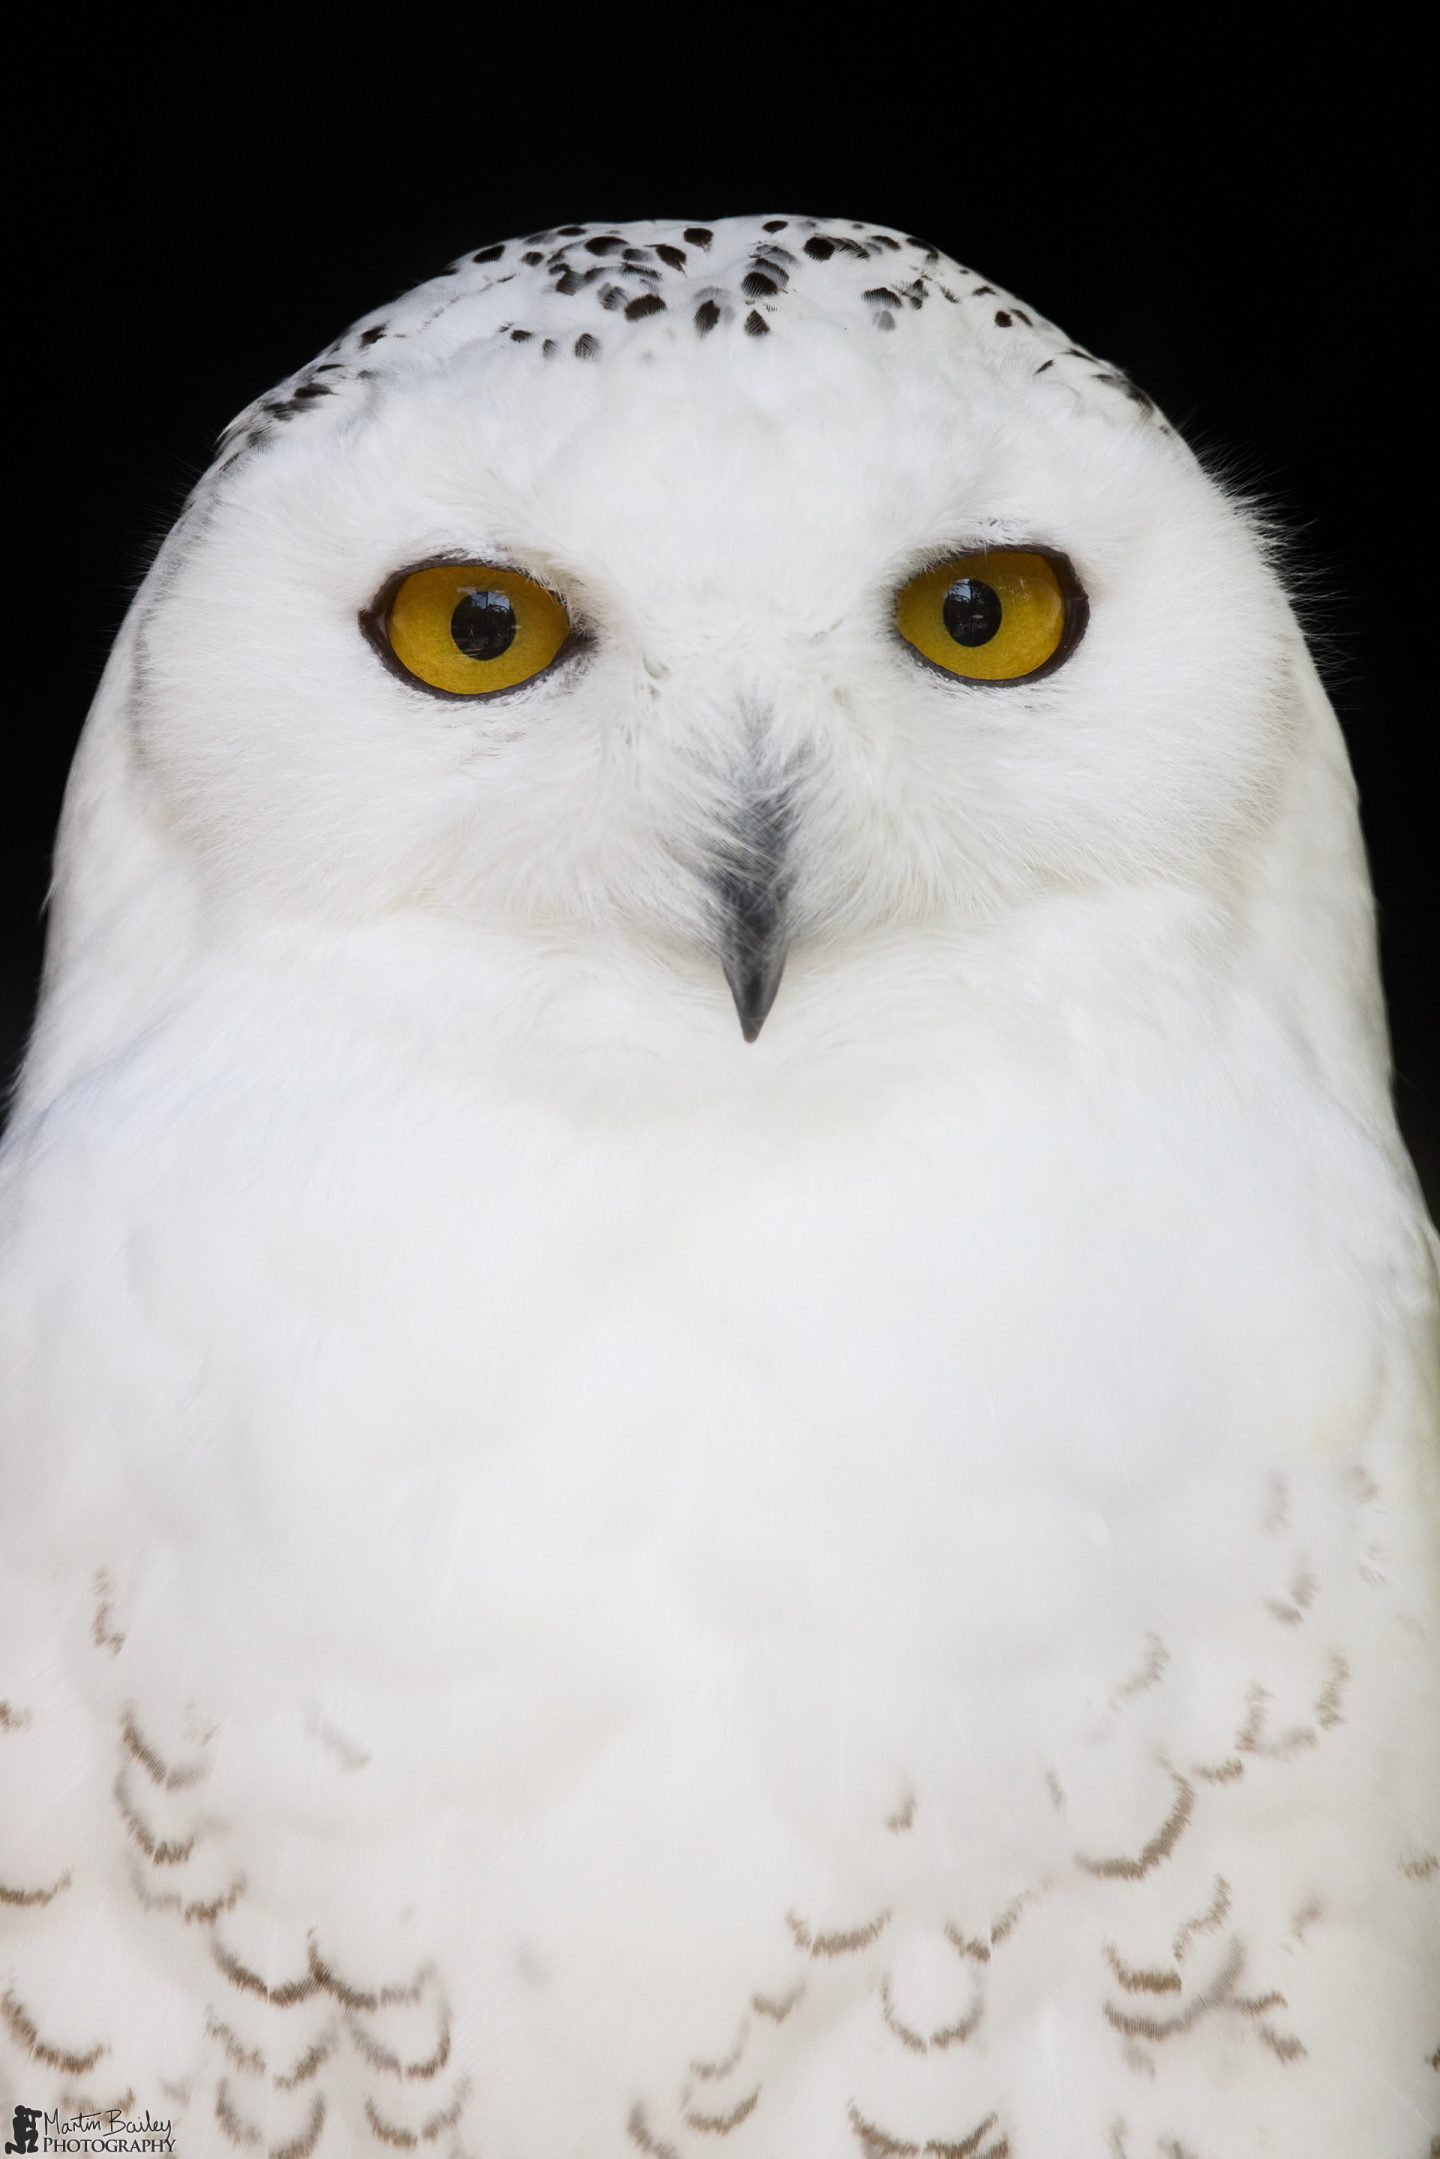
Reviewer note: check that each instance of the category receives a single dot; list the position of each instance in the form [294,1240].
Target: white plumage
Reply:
[577,1586]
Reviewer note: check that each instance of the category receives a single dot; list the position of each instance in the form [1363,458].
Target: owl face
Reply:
[749,584]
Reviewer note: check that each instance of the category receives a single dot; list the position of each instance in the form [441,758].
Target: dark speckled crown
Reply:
[581,290]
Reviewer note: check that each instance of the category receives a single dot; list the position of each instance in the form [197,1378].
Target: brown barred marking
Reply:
[1224,1772]
[1160,1846]
[235,2127]
[1133,2025]
[1328,1700]
[1419,1870]
[1137,1979]
[1150,1673]
[28,1899]
[711,2070]
[904,1815]
[766,2006]
[201,1911]
[239,2056]
[408,2139]
[721,2124]
[25,2033]
[314,2057]
[160,1851]
[74,2102]
[877,2143]
[979,1950]
[1005,1924]
[300,2147]
[1284,2044]
[139,1749]
[839,1943]
[1290,1611]
[102,1634]
[1304,1919]
[948,2035]
[639,2132]
[1250,1739]
[381,2058]
[13,1719]
[1215,1916]
[284,1996]
[356,1998]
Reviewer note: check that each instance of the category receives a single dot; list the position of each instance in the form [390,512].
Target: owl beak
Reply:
[750,891]
[753,950]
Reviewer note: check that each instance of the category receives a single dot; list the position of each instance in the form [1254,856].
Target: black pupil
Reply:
[972,611]
[483,625]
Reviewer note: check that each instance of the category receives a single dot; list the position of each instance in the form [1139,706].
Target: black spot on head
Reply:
[373,335]
[637,254]
[1043,365]
[1002,320]
[521,337]
[882,296]
[980,290]
[884,320]
[549,348]
[649,303]
[930,253]
[851,247]
[674,257]
[573,281]
[756,285]
[756,325]
[613,296]
[774,256]
[314,389]
[570,232]
[587,347]
[885,239]
[490,254]
[699,235]
[532,256]
[819,247]
[775,224]
[1021,316]
[707,314]
[604,243]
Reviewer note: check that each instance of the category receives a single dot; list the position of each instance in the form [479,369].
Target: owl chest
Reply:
[869,1380]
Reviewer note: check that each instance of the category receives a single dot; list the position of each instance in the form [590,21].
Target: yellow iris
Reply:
[1000,616]
[467,629]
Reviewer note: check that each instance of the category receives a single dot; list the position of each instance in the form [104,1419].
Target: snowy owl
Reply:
[719,1367]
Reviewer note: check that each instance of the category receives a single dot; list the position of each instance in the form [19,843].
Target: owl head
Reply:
[768,595]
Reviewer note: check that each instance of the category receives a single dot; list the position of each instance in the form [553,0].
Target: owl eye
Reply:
[1003,616]
[467,629]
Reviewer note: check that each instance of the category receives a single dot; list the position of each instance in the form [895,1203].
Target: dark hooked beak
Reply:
[751,895]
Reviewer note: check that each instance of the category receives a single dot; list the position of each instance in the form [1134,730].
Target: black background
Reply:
[1247,254]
